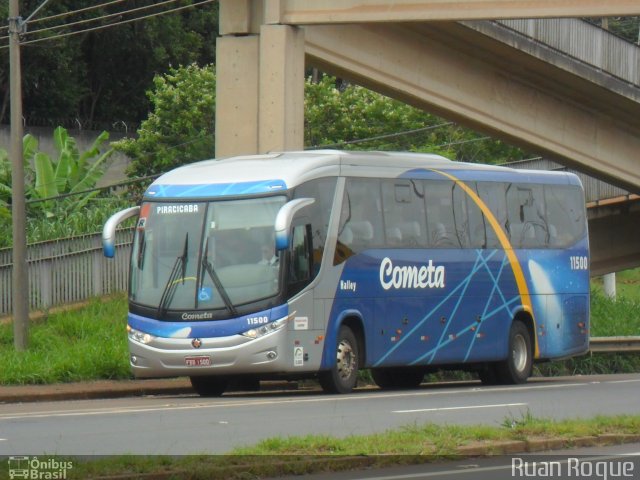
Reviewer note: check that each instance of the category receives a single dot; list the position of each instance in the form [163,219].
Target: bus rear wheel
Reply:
[209,386]
[397,378]
[516,368]
[343,376]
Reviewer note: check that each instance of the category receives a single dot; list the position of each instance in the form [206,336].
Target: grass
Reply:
[317,453]
[76,345]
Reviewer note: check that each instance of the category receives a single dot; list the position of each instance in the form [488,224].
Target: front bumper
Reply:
[236,354]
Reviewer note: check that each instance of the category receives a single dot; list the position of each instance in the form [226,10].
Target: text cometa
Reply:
[411,276]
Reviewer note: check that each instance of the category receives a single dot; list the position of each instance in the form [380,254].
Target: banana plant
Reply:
[70,172]
[46,177]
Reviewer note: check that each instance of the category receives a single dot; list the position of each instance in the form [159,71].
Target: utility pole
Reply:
[20,286]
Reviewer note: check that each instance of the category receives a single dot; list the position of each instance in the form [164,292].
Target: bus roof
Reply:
[273,172]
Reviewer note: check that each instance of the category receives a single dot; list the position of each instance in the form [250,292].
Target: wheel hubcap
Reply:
[519,353]
[346,359]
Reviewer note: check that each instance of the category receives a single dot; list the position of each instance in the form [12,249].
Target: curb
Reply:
[543,444]
[94,390]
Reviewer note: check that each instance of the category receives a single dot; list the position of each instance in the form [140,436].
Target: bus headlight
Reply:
[266,329]
[140,337]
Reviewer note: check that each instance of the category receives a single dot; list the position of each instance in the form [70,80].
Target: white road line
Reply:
[467,407]
[234,403]
[624,381]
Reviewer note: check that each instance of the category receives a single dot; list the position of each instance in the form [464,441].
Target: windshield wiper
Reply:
[178,272]
[208,267]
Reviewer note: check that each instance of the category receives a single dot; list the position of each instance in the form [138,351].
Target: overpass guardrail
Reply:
[614,344]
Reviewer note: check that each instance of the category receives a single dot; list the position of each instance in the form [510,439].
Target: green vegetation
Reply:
[101,76]
[181,127]
[412,444]
[61,200]
[85,344]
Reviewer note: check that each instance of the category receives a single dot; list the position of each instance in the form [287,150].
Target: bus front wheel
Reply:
[209,386]
[516,368]
[343,376]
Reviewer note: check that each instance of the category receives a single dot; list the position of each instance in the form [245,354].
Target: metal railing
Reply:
[67,271]
[614,344]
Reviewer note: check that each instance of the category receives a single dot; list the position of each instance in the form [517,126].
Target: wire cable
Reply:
[380,137]
[96,19]
[114,24]
[74,12]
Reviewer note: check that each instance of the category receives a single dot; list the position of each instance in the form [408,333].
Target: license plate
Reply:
[200,361]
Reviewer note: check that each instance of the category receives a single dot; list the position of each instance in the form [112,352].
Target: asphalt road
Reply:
[189,424]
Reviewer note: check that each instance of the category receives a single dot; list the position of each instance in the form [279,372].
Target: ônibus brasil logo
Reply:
[411,276]
[37,469]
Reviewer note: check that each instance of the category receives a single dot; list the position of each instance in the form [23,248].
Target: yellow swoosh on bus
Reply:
[523,289]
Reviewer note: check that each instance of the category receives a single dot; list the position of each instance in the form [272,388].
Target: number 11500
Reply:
[579,262]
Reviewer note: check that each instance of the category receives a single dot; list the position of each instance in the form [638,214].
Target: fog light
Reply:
[272,355]
[134,360]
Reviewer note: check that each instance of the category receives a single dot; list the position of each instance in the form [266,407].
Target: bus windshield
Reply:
[205,255]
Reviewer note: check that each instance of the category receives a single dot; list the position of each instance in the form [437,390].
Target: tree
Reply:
[102,75]
[339,115]
[181,127]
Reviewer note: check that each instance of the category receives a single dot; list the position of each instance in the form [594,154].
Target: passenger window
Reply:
[361,218]
[441,223]
[404,215]
[493,194]
[565,214]
[527,217]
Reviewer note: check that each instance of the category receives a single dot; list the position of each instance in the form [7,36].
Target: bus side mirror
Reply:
[109,230]
[284,219]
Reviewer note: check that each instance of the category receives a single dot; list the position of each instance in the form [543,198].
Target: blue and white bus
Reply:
[323,263]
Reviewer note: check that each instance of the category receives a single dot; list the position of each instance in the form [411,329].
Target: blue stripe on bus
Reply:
[207,190]
[203,328]
[468,319]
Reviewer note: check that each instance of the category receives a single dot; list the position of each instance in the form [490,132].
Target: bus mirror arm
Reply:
[284,219]
[109,230]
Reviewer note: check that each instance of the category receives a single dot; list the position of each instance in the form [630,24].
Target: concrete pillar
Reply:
[237,72]
[281,89]
[610,285]
[260,81]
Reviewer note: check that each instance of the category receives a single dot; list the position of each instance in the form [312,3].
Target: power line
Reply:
[381,137]
[96,19]
[96,189]
[114,24]
[80,10]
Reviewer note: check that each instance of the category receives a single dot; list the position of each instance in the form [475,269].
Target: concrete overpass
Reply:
[579,108]
[552,84]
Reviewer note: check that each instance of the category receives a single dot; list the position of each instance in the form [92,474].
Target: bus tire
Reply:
[516,368]
[343,376]
[397,378]
[212,386]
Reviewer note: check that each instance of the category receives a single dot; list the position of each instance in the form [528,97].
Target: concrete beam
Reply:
[306,12]
[613,237]
[446,69]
